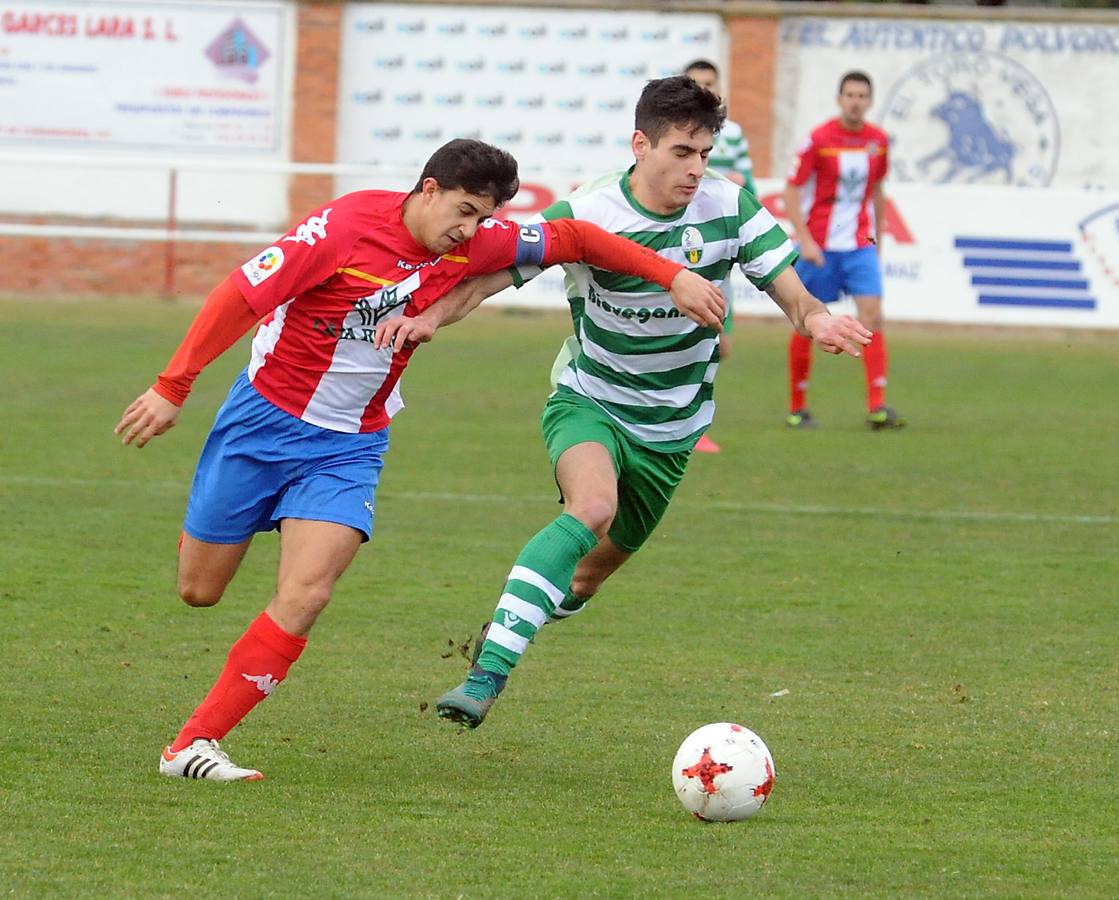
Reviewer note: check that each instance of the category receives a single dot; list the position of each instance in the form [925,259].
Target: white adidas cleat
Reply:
[203,759]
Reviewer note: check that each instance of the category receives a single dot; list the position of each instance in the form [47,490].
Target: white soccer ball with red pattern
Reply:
[723,772]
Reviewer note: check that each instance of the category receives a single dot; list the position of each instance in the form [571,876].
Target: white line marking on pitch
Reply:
[727,505]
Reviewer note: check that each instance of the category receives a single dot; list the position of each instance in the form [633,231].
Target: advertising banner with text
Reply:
[180,80]
[554,87]
[964,102]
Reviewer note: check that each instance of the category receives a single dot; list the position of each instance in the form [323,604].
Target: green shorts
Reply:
[646,478]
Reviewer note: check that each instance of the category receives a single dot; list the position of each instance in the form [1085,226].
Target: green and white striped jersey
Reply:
[731,153]
[638,357]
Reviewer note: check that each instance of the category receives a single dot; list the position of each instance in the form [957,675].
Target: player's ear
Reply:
[429,187]
[640,144]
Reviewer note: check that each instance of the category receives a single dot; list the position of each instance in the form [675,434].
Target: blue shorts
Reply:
[854,272]
[260,465]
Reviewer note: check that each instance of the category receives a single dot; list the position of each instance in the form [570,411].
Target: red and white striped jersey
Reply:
[837,170]
[327,283]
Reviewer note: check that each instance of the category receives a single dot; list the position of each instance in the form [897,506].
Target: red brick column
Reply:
[752,84]
[315,102]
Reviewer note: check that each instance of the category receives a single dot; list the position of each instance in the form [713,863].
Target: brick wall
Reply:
[752,60]
[316,101]
[39,266]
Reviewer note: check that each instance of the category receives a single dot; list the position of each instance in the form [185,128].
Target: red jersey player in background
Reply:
[298,444]
[836,203]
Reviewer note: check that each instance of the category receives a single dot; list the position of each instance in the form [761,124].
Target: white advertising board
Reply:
[134,76]
[182,80]
[1018,256]
[964,102]
[555,87]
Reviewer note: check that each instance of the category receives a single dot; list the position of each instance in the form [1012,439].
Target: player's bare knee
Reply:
[308,595]
[596,512]
[199,593]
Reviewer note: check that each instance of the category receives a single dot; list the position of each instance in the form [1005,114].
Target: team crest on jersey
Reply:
[264,265]
[692,244]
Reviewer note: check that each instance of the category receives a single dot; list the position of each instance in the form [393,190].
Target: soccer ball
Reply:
[723,773]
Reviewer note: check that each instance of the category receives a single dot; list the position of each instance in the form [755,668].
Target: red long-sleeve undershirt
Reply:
[572,240]
[226,315]
[223,319]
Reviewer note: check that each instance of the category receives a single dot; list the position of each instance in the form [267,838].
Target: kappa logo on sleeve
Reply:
[264,265]
[314,229]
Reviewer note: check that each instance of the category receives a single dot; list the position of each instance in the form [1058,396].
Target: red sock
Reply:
[257,662]
[874,362]
[800,364]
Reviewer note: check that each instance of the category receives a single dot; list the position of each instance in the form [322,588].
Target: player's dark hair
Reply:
[677,101]
[701,65]
[856,75]
[475,167]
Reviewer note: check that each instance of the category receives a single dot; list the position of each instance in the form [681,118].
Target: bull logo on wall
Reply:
[972,118]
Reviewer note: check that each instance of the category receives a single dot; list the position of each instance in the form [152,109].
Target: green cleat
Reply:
[468,703]
[884,417]
[802,418]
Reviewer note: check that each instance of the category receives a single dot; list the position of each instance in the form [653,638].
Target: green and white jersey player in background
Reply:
[730,156]
[636,394]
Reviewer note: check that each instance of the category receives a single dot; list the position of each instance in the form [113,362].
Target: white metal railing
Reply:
[97,187]
[137,169]
[143,177]
[141,198]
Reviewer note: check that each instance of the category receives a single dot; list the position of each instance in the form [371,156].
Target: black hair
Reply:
[677,101]
[475,167]
[856,75]
[701,65]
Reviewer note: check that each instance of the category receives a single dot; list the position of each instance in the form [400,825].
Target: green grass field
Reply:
[940,604]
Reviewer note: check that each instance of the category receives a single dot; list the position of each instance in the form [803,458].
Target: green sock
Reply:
[532,590]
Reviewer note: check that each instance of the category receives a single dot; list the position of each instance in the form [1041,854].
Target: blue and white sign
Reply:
[964,102]
[1014,271]
[996,122]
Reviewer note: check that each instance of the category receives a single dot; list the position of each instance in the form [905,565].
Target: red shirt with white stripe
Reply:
[838,169]
[349,265]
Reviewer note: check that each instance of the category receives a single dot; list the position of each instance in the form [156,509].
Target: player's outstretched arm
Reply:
[462,300]
[223,319]
[832,334]
[573,240]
